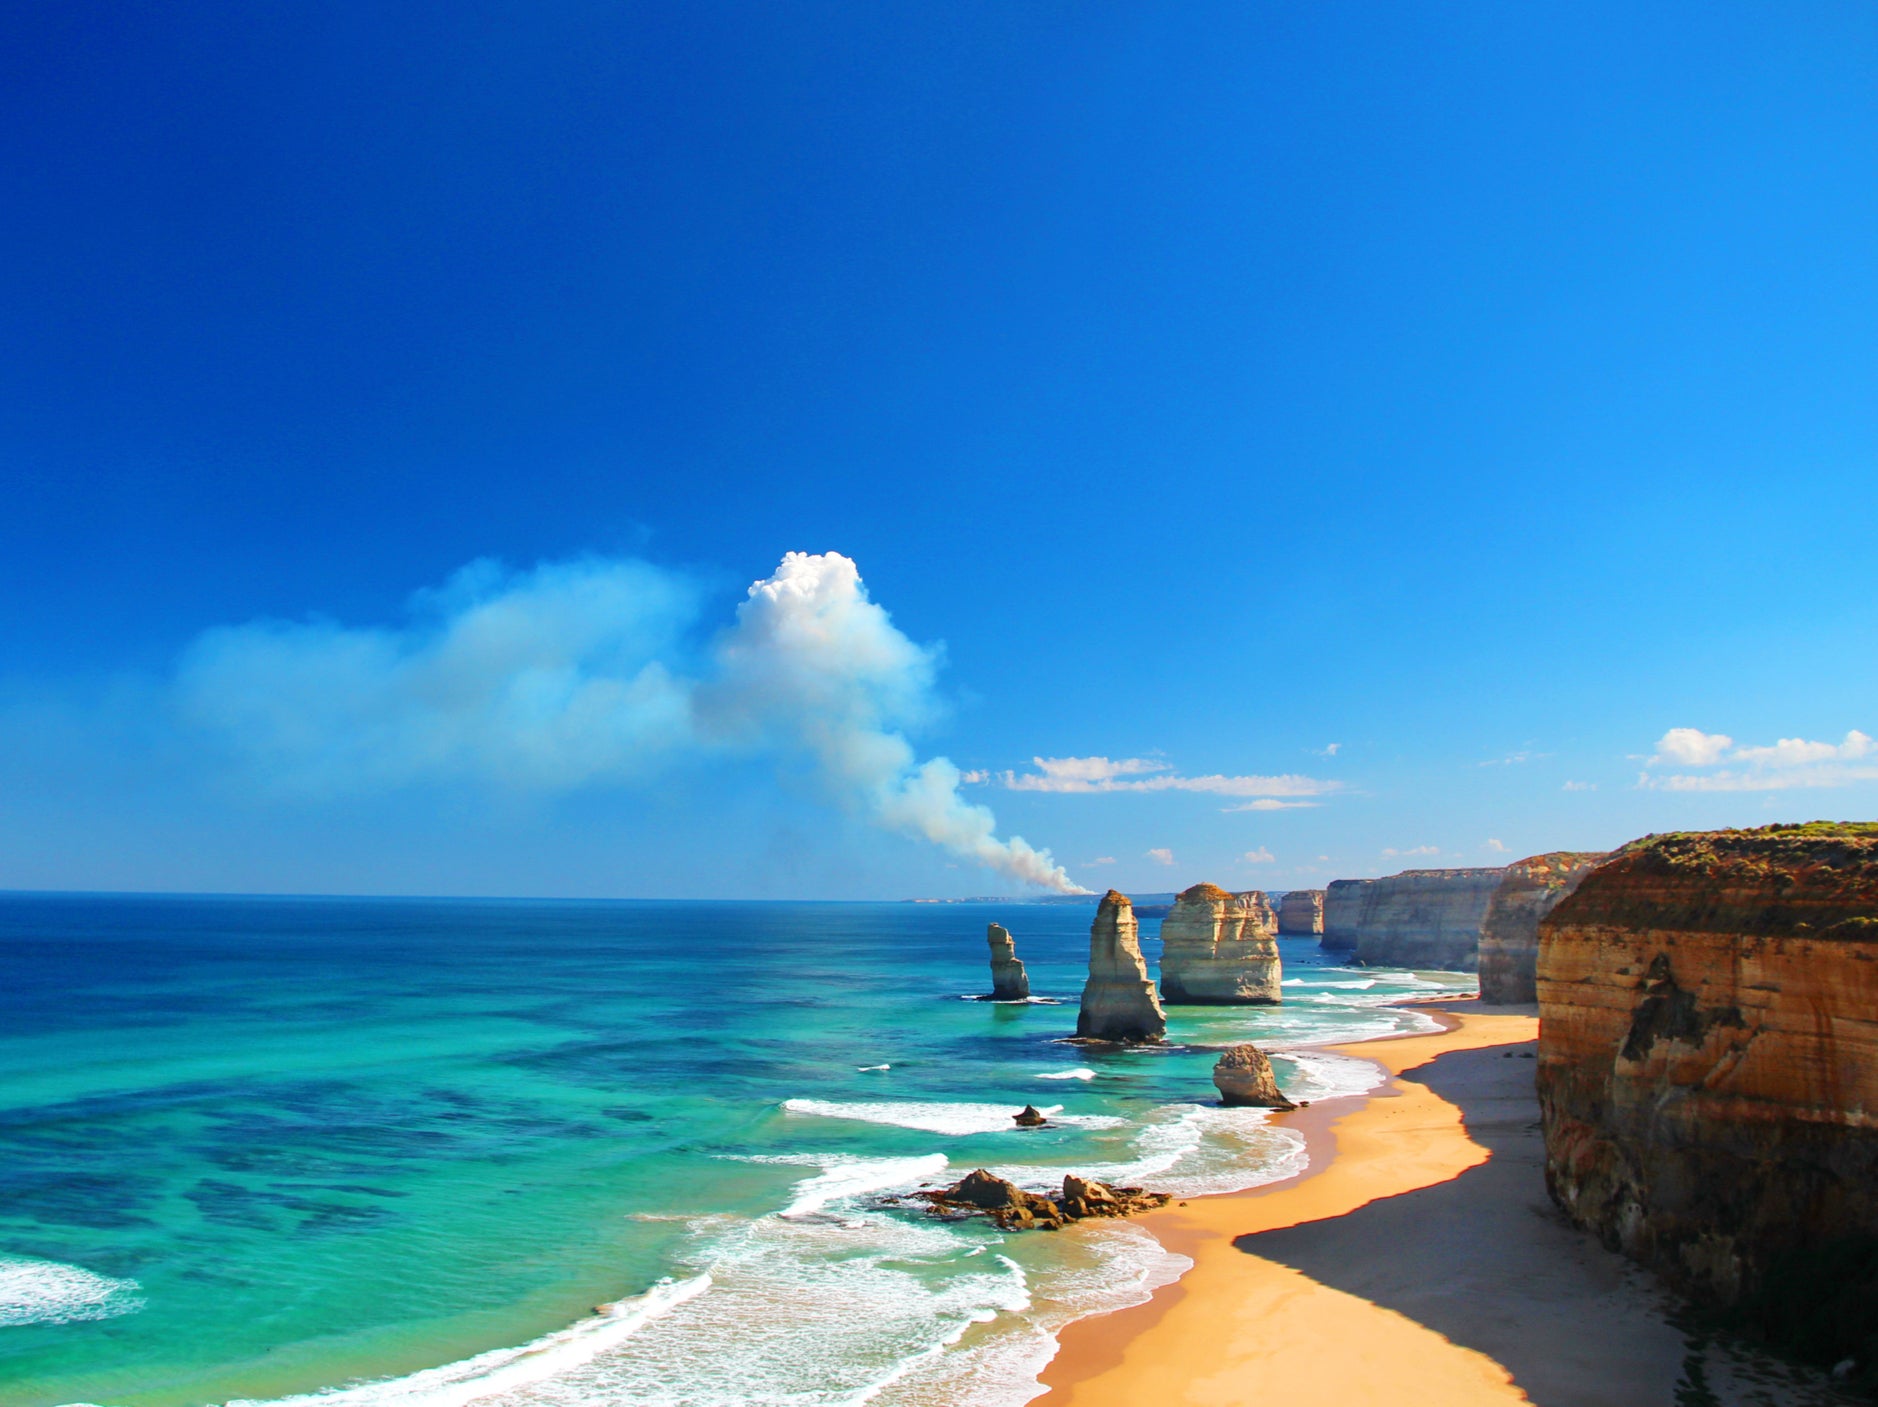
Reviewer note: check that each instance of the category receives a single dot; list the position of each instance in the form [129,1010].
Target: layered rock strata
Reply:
[1014,1209]
[1343,913]
[1301,912]
[1009,981]
[1118,1001]
[1220,949]
[1509,931]
[1244,1076]
[1708,1070]
[1425,918]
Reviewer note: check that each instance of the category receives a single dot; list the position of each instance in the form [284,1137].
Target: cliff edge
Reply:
[1509,932]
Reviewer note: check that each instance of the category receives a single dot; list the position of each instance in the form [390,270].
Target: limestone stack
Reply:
[1425,918]
[1509,932]
[1118,1002]
[1244,1076]
[1343,913]
[1009,981]
[1708,1069]
[1301,911]
[1220,949]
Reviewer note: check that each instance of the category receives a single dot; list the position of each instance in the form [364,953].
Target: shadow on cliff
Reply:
[1486,1261]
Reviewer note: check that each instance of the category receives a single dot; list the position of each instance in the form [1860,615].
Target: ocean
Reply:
[421,1153]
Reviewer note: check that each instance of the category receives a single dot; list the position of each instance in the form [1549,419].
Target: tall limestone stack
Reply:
[1220,949]
[1343,913]
[1118,1003]
[1009,981]
[1708,1071]
[1509,932]
[1425,918]
[1301,911]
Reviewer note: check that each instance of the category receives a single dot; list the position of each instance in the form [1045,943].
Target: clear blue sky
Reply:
[1487,390]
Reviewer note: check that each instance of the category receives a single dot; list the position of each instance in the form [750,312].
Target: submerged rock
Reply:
[1029,1118]
[1118,1001]
[1014,1209]
[1244,1077]
[1009,981]
[1220,949]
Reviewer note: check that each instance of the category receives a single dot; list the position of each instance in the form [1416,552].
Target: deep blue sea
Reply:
[421,1153]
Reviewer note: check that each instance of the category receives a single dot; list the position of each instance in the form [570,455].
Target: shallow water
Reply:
[255,1148]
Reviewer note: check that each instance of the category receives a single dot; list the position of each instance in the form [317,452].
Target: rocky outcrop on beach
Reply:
[1244,1076]
[1029,1117]
[1220,949]
[1118,1001]
[1425,918]
[1013,1209]
[1343,913]
[1708,1071]
[1301,911]
[1009,981]
[1509,931]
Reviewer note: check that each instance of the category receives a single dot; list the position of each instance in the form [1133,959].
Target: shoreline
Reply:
[1236,1327]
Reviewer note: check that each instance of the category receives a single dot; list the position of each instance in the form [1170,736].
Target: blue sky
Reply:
[1485,391]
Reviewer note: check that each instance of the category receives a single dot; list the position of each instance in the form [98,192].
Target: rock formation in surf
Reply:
[1301,911]
[1219,949]
[1343,913]
[1118,1002]
[1029,1117]
[1244,1076]
[1509,931]
[1708,1071]
[1425,918]
[1014,1209]
[1009,981]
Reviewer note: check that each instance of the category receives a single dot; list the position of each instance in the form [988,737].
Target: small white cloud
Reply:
[1102,774]
[1691,747]
[1161,855]
[1329,749]
[1260,856]
[1267,803]
[1580,786]
[1099,860]
[1496,847]
[1395,854]
[1324,858]
[978,776]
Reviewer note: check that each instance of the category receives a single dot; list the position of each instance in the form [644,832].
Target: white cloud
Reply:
[579,674]
[1579,786]
[1266,803]
[1329,750]
[1788,764]
[1260,856]
[977,776]
[1102,774]
[1099,860]
[1496,847]
[1512,759]
[1161,855]
[1414,850]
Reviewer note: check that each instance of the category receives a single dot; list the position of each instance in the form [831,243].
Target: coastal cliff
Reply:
[1301,911]
[1343,913]
[1509,932]
[1425,918]
[1118,1002]
[1220,949]
[1009,981]
[1708,1072]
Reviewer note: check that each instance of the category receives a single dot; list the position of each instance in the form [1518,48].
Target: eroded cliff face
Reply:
[1118,1001]
[1425,918]
[1509,931]
[1708,1065]
[1301,911]
[1009,981]
[1220,949]
[1343,913]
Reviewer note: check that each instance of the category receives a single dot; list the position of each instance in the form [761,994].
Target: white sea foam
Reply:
[865,1068]
[856,1177]
[1191,1150]
[1081,1072]
[49,1292]
[955,1120]
[1322,1075]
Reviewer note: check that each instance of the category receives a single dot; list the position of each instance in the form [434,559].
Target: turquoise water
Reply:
[256,1148]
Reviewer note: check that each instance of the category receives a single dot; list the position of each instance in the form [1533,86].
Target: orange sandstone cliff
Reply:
[1708,1071]
[1509,934]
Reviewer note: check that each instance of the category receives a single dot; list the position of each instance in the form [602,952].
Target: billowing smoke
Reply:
[580,674]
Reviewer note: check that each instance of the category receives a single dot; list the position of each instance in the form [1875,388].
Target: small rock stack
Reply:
[1009,981]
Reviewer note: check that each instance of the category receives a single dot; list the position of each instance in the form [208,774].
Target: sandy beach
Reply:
[1417,1261]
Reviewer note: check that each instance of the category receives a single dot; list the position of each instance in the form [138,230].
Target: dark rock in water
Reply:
[1118,1002]
[1029,1118]
[1009,981]
[1244,1077]
[1014,1209]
